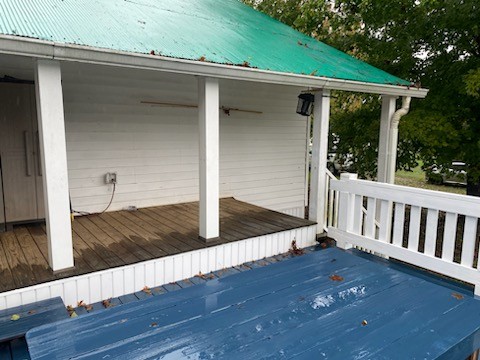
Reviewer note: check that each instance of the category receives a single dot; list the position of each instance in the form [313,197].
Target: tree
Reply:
[435,42]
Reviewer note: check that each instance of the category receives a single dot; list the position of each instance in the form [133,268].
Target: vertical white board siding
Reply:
[154,149]
[127,279]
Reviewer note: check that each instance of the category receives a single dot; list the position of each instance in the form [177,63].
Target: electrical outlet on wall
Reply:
[111,178]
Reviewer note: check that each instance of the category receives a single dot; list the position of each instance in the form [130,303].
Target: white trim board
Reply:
[128,279]
[15,45]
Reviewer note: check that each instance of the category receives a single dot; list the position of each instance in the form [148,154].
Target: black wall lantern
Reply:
[305,104]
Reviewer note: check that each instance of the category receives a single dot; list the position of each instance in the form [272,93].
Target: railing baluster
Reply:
[370,219]
[399,224]
[450,232]
[331,199]
[358,215]
[431,232]
[414,227]
[384,231]
[469,237]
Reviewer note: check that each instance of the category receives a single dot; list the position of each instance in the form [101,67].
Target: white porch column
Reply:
[388,109]
[51,127]
[208,115]
[318,172]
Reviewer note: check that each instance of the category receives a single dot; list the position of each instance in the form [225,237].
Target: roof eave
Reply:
[15,45]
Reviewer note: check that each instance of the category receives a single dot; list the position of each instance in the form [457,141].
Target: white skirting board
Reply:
[298,211]
[127,279]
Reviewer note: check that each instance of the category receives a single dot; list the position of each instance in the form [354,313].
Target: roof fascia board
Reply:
[46,49]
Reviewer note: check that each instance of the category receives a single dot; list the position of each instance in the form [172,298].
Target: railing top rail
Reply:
[459,204]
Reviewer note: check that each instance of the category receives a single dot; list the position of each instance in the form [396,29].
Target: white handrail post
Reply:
[208,113]
[321,115]
[345,210]
[53,149]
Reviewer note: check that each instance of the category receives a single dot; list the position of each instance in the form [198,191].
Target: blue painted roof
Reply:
[328,304]
[223,32]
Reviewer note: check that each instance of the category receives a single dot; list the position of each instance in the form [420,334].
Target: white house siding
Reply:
[154,149]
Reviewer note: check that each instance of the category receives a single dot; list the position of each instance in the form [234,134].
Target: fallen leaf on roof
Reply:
[152,52]
[31,312]
[154,324]
[202,58]
[336,277]
[147,290]
[73,315]
[457,296]
[15,317]
[294,250]
[364,323]
[88,307]
[106,303]
[80,303]
[205,277]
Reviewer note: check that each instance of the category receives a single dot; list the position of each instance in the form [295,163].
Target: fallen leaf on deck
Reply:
[457,296]
[15,317]
[336,277]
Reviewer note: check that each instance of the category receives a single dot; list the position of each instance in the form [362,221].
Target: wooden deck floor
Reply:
[327,304]
[119,238]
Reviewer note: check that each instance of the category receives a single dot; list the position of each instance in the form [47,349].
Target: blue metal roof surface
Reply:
[328,304]
[218,31]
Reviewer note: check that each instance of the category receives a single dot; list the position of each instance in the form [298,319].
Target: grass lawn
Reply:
[416,178]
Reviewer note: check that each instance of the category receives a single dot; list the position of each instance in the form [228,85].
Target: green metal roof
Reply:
[217,31]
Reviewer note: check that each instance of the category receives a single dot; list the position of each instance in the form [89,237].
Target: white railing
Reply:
[430,229]
[331,203]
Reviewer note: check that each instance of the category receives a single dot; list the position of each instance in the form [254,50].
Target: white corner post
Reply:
[51,127]
[388,109]
[318,172]
[346,211]
[208,115]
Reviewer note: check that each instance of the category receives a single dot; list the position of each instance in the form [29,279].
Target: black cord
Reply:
[98,213]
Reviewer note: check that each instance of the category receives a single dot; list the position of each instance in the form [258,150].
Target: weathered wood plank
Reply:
[8,281]
[119,238]
[21,271]
[93,243]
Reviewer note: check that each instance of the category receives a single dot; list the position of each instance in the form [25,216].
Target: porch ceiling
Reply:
[120,238]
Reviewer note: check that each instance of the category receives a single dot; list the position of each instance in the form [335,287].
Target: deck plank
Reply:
[37,262]
[94,244]
[142,248]
[5,272]
[120,238]
[21,271]
[135,231]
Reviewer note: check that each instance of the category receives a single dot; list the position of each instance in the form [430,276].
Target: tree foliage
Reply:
[432,42]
